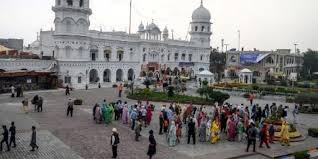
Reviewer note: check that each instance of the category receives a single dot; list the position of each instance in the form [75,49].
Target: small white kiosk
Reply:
[205,75]
[246,76]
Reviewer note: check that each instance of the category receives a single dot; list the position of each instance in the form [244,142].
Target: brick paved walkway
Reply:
[50,147]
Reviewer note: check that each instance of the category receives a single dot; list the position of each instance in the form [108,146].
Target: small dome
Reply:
[152,26]
[165,30]
[206,72]
[141,27]
[201,14]
[35,44]
[245,70]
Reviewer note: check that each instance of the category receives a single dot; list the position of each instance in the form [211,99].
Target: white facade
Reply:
[89,57]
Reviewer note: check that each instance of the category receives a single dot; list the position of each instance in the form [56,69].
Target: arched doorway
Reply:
[93,76]
[107,75]
[131,75]
[119,75]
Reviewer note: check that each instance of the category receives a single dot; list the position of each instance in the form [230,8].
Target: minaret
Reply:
[71,16]
[165,33]
[201,27]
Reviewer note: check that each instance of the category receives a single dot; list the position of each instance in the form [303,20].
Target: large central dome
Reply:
[201,14]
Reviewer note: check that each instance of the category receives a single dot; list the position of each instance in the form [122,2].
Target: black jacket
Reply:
[12,130]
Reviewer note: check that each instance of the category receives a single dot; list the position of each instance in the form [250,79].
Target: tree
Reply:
[310,63]
[170,91]
[212,95]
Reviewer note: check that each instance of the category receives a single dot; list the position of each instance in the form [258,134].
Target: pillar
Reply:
[100,54]
[113,76]
[114,54]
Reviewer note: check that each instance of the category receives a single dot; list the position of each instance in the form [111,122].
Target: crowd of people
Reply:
[235,123]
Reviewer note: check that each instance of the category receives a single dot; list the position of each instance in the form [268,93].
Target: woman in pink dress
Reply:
[148,116]
[125,114]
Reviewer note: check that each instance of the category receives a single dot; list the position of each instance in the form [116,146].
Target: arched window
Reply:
[81,3]
[202,28]
[58,2]
[190,57]
[120,55]
[208,29]
[269,60]
[196,28]
[144,58]
[176,57]
[107,54]
[183,56]
[69,2]
[169,57]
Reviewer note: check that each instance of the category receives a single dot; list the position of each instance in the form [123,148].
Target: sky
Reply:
[263,24]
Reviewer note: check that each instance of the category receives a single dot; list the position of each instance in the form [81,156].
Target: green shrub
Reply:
[292,128]
[313,132]
[78,102]
[255,87]
[290,99]
[307,98]
[218,96]
[301,155]
[170,91]
[142,94]
[205,83]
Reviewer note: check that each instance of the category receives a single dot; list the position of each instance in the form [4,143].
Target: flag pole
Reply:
[130,17]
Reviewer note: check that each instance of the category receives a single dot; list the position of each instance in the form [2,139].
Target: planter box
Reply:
[78,102]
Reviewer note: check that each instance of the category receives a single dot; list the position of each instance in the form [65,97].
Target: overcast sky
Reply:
[264,24]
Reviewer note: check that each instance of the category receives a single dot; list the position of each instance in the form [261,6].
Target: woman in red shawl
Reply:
[231,129]
[148,116]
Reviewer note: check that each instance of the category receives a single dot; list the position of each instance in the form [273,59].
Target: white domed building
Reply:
[87,56]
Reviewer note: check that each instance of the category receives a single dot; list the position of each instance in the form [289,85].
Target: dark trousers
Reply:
[12,140]
[69,111]
[119,93]
[165,129]
[12,95]
[137,136]
[114,149]
[133,124]
[193,138]
[116,114]
[40,109]
[34,145]
[160,130]
[251,141]
[5,141]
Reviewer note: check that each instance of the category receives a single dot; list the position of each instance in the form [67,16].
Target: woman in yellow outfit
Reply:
[214,131]
[284,134]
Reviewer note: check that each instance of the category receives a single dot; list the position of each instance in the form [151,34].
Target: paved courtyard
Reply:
[80,137]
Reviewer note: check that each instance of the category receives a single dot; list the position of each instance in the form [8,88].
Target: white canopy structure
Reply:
[245,76]
[205,75]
